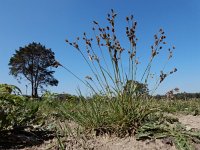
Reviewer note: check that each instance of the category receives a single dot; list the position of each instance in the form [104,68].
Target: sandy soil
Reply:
[190,121]
[114,143]
[108,143]
[132,144]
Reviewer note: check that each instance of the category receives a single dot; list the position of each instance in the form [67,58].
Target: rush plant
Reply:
[106,58]
[118,104]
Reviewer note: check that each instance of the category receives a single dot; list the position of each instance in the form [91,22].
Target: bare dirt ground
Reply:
[114,143]
[108,143]
[190,121]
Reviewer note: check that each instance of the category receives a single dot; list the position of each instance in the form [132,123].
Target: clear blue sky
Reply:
[52,21]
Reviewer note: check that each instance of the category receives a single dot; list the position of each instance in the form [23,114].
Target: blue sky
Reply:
[50,22]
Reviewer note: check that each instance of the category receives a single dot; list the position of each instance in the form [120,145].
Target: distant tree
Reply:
[136,88]
[34,62]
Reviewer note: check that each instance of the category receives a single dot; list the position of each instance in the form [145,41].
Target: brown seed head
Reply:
[131,17]
[156,42]
[176,89]
[164,43]
[162,76]
[98,40]
[96,58]
[113,30]
[163,37]
[114,37]
[56,64]
[136,62]
[89,78]
[112,23]
[170,55]
[95,22]
[76,45]
[153,53]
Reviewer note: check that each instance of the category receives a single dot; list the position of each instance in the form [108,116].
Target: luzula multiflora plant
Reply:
[109,76]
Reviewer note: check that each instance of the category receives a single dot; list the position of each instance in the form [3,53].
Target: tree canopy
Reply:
[136,88]
[34,62]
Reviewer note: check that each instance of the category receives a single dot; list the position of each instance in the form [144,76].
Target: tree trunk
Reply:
[32,95]
[35,92]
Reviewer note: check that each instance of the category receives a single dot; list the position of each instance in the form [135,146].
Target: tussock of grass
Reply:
[109,116]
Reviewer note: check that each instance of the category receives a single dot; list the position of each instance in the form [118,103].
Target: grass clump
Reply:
[109,116]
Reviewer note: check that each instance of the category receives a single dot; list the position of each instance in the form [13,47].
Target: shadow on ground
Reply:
[17,139]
